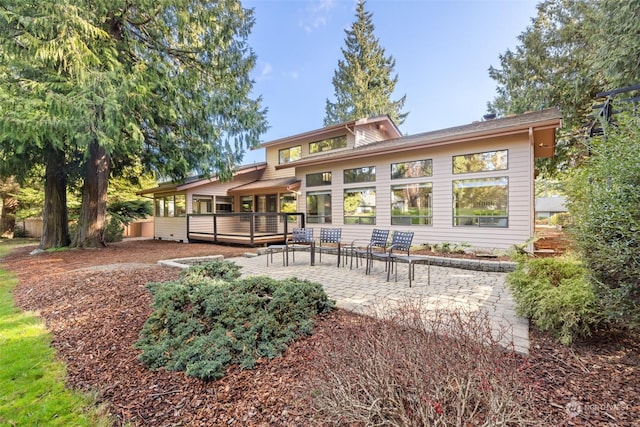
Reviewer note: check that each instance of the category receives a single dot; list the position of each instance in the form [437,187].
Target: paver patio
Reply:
[450,288]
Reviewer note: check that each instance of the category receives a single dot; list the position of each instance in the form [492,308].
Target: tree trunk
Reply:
[8,189]
[55,226]
[8,217]
[91,223]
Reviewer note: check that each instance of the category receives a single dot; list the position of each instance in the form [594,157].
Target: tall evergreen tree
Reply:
[573,50]
[363,82]
[107,83]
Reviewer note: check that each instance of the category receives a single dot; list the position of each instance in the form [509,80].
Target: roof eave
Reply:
[547,124]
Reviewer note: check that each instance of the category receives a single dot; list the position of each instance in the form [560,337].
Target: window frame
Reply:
[317,218]
[413,220]
[490,220]
[328,142]
[323,181]
[198,200]
[226,201]
[289,159]
[359,177]
[481,153]
[429,169]
[174,206]
[360,219]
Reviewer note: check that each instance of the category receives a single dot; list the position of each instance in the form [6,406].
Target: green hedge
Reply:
[556,295]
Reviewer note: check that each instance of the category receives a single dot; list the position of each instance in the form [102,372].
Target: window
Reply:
[481,162]
[328,144]
[246,204]
[288,204]
[360,206]
[411,204]
[481,202]
[202,204]
[366,174]
[224,204]
[159,207]
[180,201]
[288,155]
[319,207]
[317,179]
[171,206]
[416,169]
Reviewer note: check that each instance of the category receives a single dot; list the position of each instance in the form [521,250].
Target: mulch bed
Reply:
[95,303]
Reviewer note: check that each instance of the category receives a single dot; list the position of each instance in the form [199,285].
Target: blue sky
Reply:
[442,49]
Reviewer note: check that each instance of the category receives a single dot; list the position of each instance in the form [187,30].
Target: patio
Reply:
[450,288]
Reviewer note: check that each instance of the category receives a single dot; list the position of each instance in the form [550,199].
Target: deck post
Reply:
[215,228]
[252,228]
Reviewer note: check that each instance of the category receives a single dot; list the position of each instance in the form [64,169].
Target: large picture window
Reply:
[416,169]
[481,162]
[318,179]
[291,154]
[360,206]
[411,204]
[365,174]
[328,144]
[171,206]
[319,207]
[481,202]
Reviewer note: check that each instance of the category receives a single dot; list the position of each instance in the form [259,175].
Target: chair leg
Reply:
[412,272]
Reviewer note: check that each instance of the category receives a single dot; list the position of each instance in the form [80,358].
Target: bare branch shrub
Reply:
[418,368]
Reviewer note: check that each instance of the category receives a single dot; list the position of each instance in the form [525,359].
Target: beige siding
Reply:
[519,173]
[217,188]
[272,158]
[166,228]
[366,134]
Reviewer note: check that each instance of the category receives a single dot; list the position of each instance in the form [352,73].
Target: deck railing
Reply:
[251,228]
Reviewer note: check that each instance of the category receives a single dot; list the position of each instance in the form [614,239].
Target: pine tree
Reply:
[363,82]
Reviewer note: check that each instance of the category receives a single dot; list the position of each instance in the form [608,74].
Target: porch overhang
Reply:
[290,184]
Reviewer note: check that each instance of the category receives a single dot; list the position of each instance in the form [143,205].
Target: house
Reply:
[470,184]
[549,206]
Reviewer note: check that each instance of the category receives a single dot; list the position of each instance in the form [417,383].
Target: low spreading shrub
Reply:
[412,370]
[200,325]
[555,293]
[220,269]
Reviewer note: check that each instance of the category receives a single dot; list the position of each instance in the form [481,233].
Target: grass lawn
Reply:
[32,391]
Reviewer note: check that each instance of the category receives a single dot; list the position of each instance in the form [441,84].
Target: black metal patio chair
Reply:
[301,239]
[400,246]
[330,242]
[362,249]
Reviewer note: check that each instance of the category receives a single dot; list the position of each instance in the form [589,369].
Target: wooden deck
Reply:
[258,240]
[248,229]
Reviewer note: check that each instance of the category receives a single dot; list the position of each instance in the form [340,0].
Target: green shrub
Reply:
[604,201]
[556,295]
[219,269]
[201,325]
[114,230]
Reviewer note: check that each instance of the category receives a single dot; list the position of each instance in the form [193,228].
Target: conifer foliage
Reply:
[363,81]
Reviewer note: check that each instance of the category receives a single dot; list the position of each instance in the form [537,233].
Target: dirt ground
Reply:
[95,303]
